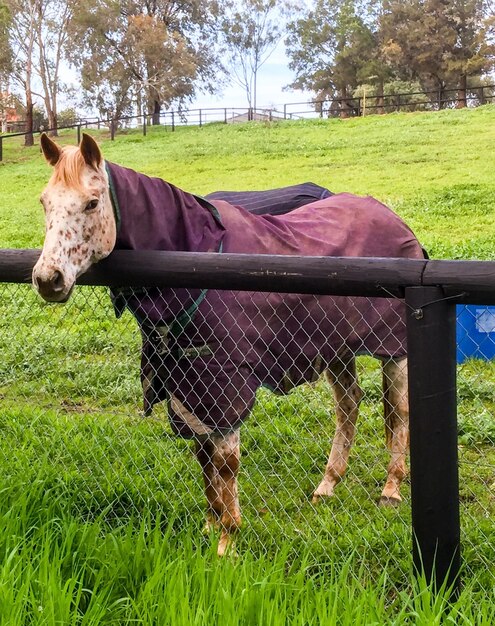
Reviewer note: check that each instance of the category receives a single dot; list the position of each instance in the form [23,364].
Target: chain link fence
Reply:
[72,415]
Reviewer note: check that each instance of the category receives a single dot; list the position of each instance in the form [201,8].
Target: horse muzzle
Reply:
[52,287]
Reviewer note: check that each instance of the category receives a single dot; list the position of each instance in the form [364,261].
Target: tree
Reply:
[438,42]
[22,35]
[53,18]
[331,48]
[37,31]
[251,30]
[473,52]
[160,51]
[6,99]
[5,48]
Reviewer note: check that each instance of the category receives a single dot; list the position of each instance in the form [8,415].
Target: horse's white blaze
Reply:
[76,233]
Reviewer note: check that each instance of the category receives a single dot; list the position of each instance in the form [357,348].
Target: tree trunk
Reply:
[156,113]
[379,98]
[462,92]
[53,124]
[28,138]
[52,118]
[50,55]
[441,96]
[343,102]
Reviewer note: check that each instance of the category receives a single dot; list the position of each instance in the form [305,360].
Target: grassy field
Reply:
[101,511]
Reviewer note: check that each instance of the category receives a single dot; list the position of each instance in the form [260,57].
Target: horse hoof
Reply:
[211,526]
[389,502]
[226,547]
[318,497]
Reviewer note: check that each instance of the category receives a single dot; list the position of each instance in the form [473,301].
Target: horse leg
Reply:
[396,412]
[204,453]
[342,377]
[219,457]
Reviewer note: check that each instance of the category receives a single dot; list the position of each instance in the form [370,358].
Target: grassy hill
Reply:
[435,169]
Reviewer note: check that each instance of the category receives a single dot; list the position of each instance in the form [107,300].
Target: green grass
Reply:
[57,571]
[101,511]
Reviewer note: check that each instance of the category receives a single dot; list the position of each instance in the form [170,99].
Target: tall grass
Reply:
[55,570]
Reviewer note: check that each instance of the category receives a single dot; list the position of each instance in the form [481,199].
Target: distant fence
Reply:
[430,289]
[366,104]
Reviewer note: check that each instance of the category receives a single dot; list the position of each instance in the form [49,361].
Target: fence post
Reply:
[112,129]
[173,122]
[144,124]
[431,338]
[78,134]
[225,116]
[1,148]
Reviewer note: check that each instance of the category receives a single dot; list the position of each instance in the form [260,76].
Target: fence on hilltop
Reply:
[341,108]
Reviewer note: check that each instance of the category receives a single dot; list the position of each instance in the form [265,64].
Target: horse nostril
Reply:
[57,281]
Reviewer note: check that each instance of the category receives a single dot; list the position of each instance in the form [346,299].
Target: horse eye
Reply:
[92,204]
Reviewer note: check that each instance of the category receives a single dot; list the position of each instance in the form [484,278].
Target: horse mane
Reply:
[69,168]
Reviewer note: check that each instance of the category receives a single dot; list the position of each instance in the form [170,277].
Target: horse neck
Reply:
[154,215]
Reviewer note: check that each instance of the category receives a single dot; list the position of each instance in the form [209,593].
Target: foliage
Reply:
[329,47]
[67,117]
[337,46]
[384,98]
[5,48]
[144,50]
[437,41]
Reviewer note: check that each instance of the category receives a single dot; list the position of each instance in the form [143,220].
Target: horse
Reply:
[211,350]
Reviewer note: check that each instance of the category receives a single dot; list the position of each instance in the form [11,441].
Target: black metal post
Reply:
[78,134]
[173,122]
[144,124]
[112,129]
[431,336]
[1,149]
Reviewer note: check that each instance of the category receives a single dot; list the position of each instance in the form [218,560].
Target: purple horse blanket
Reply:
[274,201]
[207,352]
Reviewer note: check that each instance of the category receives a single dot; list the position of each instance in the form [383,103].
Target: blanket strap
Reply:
[113,198]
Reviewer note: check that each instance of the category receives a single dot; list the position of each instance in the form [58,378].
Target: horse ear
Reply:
[50,149]
[90,151]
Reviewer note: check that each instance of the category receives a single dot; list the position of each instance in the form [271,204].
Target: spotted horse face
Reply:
[80,227]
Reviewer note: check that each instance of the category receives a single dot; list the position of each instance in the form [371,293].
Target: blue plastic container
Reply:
[475,332]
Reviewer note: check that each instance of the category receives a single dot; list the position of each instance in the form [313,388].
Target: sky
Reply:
[272,77]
